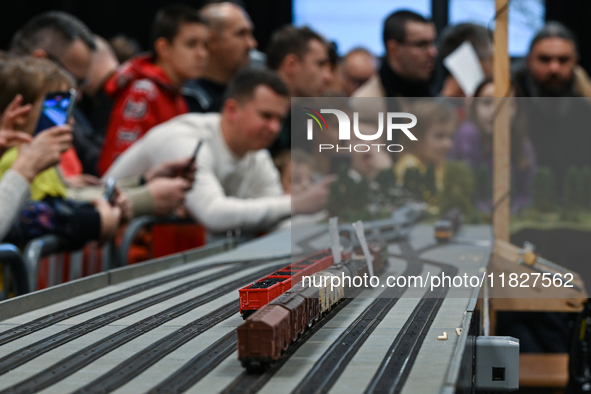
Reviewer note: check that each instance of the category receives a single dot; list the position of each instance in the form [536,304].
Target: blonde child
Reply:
[436,124]
[297,171]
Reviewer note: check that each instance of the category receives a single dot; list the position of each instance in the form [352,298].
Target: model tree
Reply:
[361,196]
[421,185]
[584,188]
[349,199]
[413,180]
[570,196]
[430,188]
[385,182]
[543,191]
[458,186]
[482,184]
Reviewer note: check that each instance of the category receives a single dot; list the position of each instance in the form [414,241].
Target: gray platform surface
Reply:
[427,375]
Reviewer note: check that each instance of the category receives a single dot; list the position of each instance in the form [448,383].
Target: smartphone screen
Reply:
[109,193]
[194,157]
[57,108]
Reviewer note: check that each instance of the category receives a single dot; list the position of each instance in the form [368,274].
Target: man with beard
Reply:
[551,67]
[557,121]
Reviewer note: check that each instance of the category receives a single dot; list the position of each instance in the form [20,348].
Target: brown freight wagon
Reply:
[263,337]
[296,305]
[312,304]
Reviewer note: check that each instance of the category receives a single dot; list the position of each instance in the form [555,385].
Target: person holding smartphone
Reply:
[162,192]
[41,83]
[35,155]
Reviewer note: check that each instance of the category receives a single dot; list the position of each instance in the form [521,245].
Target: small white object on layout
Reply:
[358,226]
[335,242]
[442,337]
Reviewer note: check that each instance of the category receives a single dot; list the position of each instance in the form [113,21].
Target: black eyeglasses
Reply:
[80,82]
[423,45]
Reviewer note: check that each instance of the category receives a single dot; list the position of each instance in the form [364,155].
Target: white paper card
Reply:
[465,67]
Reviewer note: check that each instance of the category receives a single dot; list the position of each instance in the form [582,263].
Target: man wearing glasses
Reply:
[61,38]
[69,43]
[407,68]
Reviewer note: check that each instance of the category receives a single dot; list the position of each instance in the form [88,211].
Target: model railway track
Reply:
[333,362]
[142,360]
[81,358]
[390,377]
[36,349]
[198,367]
[250,383]
[49,320]
[429,247]
[398,361]
[304,244]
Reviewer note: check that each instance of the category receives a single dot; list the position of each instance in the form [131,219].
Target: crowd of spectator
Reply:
[140,115]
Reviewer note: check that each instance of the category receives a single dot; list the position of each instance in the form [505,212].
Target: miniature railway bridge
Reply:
[169,326]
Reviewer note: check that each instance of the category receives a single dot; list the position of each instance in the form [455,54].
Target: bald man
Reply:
[229,47]
[358,66]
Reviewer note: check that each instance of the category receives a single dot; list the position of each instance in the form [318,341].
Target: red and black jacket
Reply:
[143,98]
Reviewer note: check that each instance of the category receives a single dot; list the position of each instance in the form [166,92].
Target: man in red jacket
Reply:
[146,89]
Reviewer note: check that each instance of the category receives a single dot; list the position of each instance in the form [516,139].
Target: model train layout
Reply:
[260,293]
[270,331]
[177,329]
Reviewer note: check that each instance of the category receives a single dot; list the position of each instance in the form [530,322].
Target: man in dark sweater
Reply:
[229,48]
[407,68]
[406,71]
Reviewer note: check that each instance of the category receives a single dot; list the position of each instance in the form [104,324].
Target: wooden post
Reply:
[501,134]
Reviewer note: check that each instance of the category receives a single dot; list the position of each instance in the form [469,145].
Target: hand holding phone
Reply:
[184,172]
[110,193]
[194,157]
[57,109]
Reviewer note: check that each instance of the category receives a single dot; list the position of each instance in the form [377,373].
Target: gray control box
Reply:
[497,364]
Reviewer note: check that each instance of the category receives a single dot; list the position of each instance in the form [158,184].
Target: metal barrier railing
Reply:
[135,226]
[11,258]
[37,249]
[54,248]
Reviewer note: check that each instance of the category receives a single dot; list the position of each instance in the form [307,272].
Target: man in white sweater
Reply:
[236,186]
